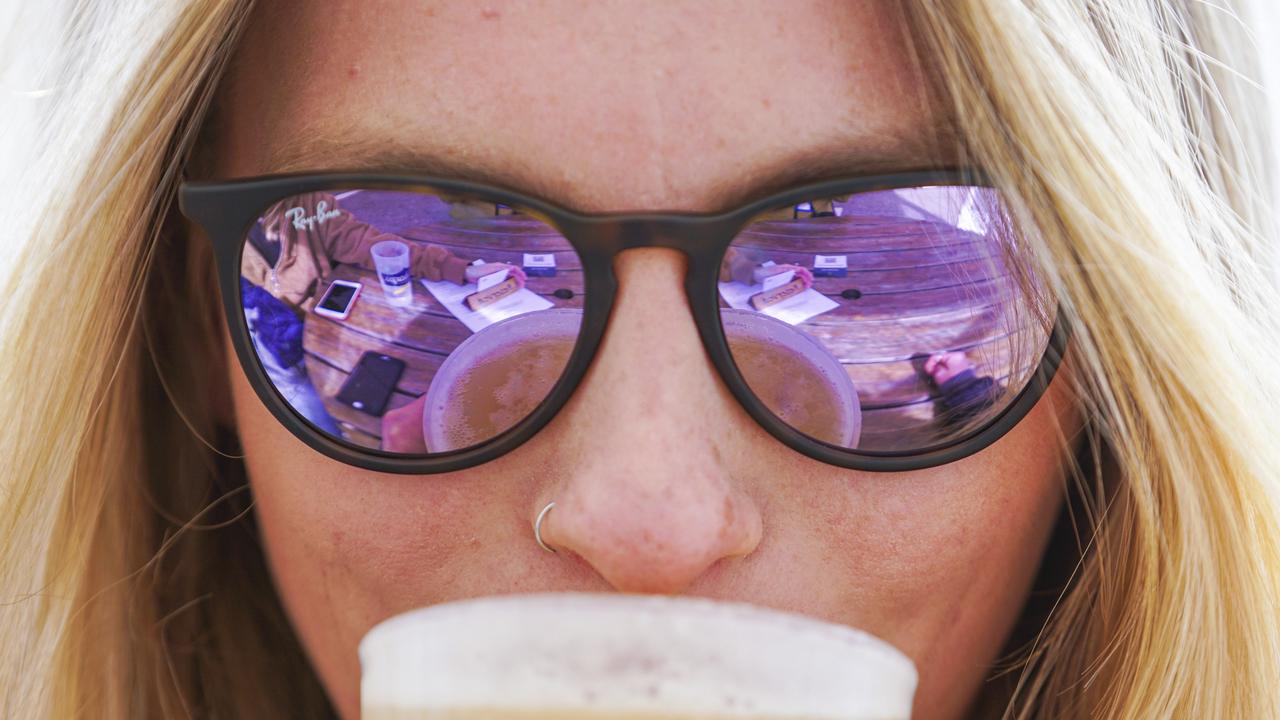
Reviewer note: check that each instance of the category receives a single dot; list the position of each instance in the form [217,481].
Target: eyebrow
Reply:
[355,150]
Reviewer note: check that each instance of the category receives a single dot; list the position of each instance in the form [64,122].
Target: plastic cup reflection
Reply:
[391,258]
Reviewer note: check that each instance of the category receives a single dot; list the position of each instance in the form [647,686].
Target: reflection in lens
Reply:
[408,321]
[915,294]
[496,377]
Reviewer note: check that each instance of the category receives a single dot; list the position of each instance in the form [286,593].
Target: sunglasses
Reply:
[422,325]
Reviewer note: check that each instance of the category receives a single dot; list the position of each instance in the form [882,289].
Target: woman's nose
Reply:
[650,446]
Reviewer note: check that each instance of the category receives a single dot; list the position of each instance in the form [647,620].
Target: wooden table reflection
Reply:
[424,333]
[921,286]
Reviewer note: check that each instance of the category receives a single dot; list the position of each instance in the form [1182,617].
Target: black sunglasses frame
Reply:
[227,209]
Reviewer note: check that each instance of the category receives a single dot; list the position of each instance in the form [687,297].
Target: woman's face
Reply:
[662,483]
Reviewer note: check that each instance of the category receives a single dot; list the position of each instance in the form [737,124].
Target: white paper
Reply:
[488,281]
[453,298]
[793,310]
[777,280]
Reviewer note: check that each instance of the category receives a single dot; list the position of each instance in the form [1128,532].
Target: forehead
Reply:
[598,106]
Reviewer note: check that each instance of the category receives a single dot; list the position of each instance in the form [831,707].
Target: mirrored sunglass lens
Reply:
[887,321]
[409,322]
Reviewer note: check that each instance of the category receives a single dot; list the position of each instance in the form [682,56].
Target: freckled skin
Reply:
[662,482]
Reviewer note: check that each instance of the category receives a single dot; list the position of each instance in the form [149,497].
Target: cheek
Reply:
[938,565]
[965,545]
[349,547]
[943,559]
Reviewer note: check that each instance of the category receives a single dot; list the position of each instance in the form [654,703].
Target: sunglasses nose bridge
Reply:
[700,240]
[687,235]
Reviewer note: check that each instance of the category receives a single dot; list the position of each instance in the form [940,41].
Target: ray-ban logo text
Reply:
[298,216]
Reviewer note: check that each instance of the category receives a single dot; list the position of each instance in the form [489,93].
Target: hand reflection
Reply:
[475,272]
[402,428]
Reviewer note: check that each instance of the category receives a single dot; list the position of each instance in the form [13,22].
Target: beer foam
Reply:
[497,377]
[632,653]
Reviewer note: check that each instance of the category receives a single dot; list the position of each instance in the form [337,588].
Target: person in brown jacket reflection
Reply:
[296,243]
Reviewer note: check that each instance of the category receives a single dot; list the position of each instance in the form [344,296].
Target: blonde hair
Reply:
[1127,132]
